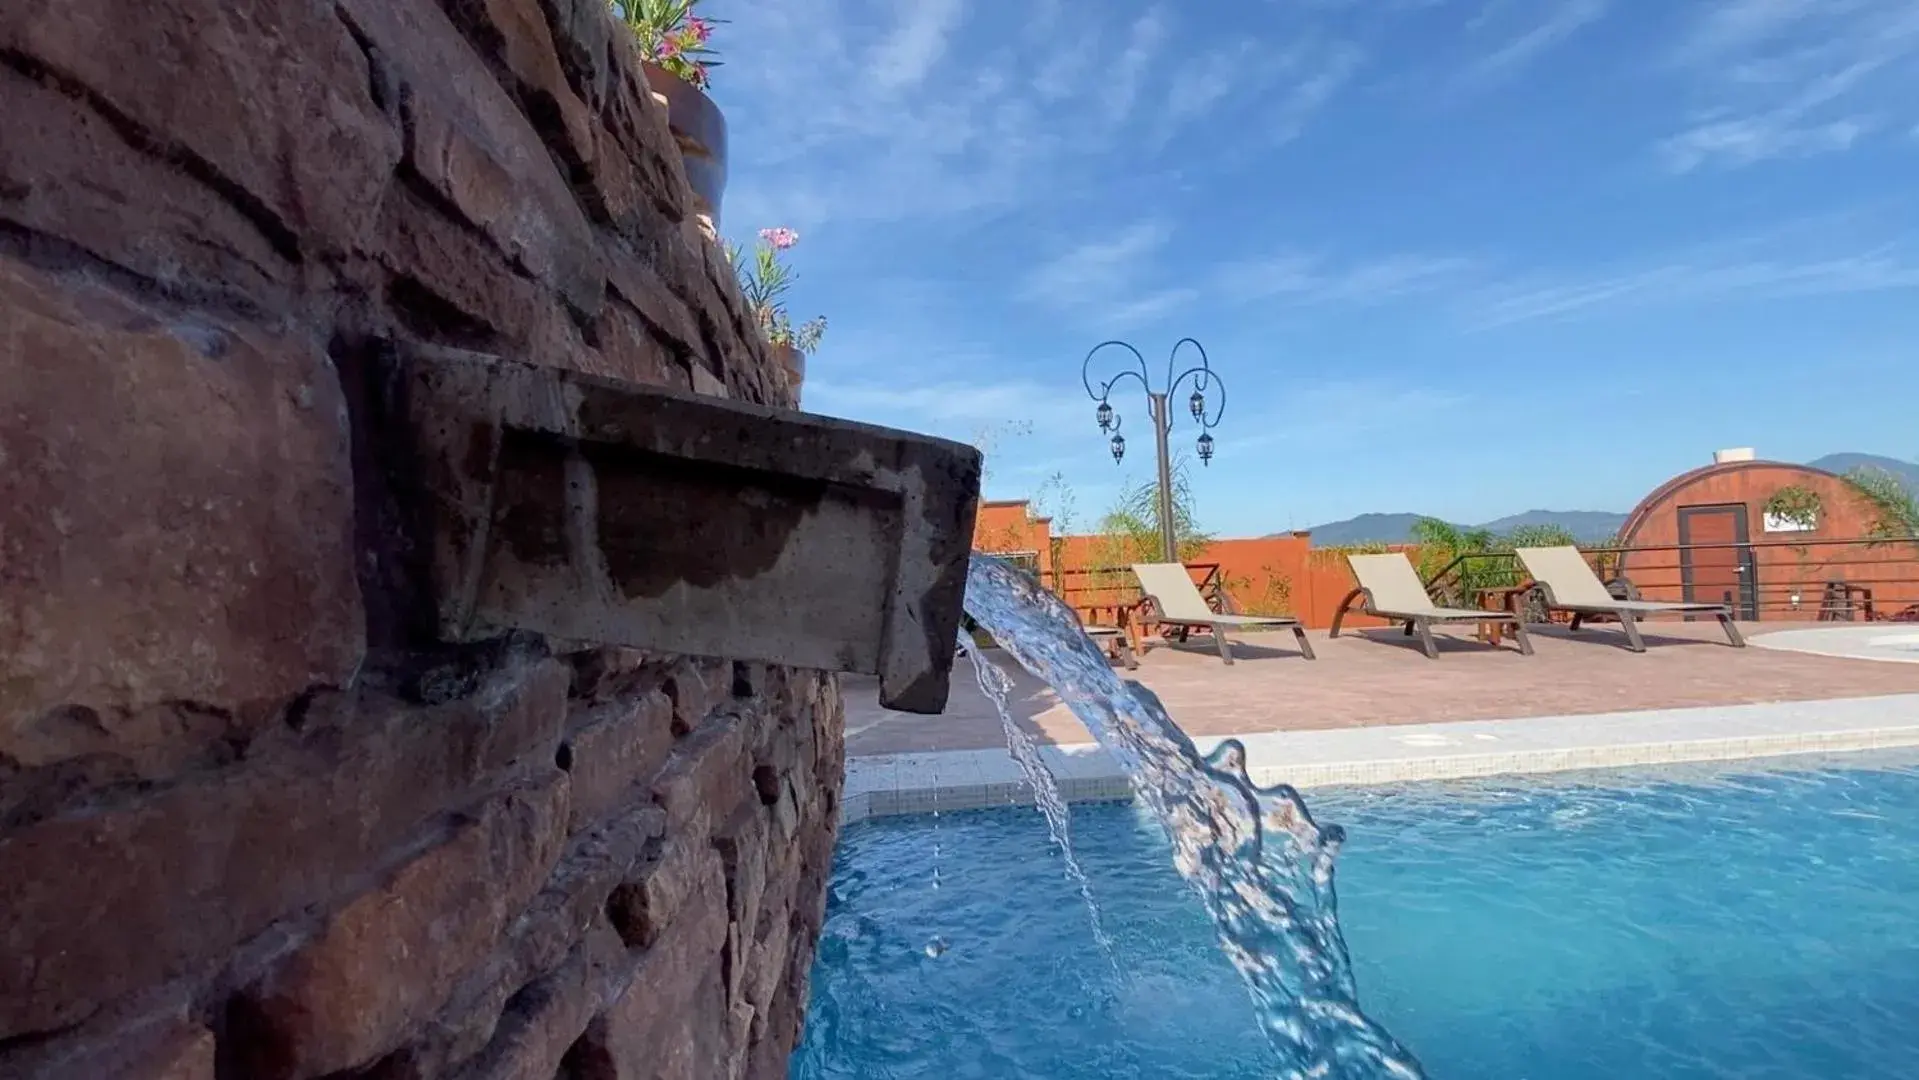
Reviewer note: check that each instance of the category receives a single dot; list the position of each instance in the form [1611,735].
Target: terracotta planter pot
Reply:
[793,362]
[699,128]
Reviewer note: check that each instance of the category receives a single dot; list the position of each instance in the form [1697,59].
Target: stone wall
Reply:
[253,823]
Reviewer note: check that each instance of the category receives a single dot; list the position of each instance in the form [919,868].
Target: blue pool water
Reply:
[1750,922]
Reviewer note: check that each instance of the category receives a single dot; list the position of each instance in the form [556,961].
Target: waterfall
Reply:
[1260,864]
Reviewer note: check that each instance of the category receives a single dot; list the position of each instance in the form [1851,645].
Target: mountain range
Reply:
[1582,524]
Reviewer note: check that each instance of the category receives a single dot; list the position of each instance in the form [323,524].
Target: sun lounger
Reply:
[1178,603]
[1569,585]
[1390,589]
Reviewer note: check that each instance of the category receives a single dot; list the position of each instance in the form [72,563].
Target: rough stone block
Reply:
[67,172]
[671,1022]
[657,893]
[267,104]
[609,673]
[165,1047]
[709,769]
[630,349]
[635,130]
[696,688]
[391,957]
[744,846]
[470,143]
[566,917]
[202,866]
[541,1022]
[143,566]
[454,288]
[641,286]
[611,757]
[514,36]
[583,31]
[184,1054]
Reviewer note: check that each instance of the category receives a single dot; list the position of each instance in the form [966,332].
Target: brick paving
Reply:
[1377,677]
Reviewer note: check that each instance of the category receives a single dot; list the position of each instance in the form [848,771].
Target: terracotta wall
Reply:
[1786,562]
[1264,575]
[249,825]
[1009,526]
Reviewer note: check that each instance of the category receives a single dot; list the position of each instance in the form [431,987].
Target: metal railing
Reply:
[1846,579]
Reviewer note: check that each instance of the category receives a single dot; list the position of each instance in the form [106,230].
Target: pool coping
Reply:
[889,785]
[1846,642]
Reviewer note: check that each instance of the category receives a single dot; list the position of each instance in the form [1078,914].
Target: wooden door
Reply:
[1713,568]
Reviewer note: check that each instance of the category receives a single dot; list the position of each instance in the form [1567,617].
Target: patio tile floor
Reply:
[1378,678]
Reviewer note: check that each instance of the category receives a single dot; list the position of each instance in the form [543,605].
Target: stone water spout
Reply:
[604,511]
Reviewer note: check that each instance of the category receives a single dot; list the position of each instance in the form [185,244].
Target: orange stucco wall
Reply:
[1010,526]
[1264,575]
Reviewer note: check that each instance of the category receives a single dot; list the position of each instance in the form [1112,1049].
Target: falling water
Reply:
[995,684]
[1259,862]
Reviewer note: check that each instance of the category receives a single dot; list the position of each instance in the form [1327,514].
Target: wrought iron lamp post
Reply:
[1159,407]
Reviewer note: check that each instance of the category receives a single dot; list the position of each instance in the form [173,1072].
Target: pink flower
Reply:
[698,29]
[780,238]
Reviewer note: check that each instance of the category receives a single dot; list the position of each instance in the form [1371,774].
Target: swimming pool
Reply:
[1753,921]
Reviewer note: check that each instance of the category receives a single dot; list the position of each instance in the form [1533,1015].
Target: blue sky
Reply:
[1460,257]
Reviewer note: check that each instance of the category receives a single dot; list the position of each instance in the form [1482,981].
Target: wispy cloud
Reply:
[1129,70]
[1108,279]
[889,110]
[1119,279]
[1702,276]
[1343,409]
[1547,26]
[1304,278]
[973,410]
[1792,78]
[908,54]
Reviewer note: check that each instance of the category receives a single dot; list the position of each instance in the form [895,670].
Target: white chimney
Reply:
[1737,453]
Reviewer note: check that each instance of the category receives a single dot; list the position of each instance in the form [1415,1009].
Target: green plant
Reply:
[1605,557]
[1275,599]
[764,281]
[1128,533]
[670,35]
[1795,505]
[1135,521]
[1055,500]
[1487,563]
[1335,554]
[1894,506]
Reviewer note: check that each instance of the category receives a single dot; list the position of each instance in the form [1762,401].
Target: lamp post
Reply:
[1159,409]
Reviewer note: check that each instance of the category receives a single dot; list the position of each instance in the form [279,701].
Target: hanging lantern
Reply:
[1119,448]
[1198,402]
[1205,447]
[1105,416]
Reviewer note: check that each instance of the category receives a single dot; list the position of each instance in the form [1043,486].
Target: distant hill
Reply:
[1845,463]
[1365,529]
[1583,524]
[1398,528]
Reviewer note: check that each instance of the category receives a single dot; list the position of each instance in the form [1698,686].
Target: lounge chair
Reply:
[1568,584]
[1178,603]
[1390,589]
